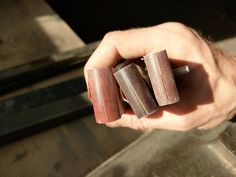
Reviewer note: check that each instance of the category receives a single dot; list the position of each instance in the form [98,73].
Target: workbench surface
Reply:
[31,30]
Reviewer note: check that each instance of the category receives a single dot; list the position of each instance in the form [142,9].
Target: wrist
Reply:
[227,83]
[227,66]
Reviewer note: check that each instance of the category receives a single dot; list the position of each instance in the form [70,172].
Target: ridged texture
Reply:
[162,78]
[136,90]
[104,94]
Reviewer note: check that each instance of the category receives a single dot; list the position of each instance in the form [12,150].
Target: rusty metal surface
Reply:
[198,153]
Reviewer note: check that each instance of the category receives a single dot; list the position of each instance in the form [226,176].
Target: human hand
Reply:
[207,93]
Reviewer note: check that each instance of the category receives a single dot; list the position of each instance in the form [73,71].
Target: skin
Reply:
[207,93]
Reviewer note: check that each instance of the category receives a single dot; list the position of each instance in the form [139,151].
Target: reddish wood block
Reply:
[136,90]
[104,94]
[162,78]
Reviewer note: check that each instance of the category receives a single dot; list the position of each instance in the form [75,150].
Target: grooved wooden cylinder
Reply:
[136,90]
[104,94]
[162,78]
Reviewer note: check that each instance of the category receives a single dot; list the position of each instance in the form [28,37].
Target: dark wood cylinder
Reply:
[104,94]
[136,90]
[162,78]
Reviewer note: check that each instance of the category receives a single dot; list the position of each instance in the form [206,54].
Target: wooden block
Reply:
[104,94]
[136,90]
[162,78]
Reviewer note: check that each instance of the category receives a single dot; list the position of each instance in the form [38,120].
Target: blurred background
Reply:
[91,19]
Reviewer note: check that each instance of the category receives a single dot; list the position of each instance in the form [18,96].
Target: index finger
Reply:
[115,45]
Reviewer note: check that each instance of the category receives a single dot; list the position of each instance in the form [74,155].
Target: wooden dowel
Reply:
[136,84]
[162,78]
[104,94]
[136,90]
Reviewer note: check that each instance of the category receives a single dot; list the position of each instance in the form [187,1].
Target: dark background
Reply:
[91,19]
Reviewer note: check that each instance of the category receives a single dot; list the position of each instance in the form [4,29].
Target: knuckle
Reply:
[85,68]
[181,29]
[177,26]
[111,36]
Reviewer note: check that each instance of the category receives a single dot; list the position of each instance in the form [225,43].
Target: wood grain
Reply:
[104,94]
[162,78]
[136,90]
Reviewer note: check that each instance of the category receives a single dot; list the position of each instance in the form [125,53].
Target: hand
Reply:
[207,93]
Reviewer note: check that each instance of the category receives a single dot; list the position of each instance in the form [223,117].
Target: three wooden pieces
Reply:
[143,84]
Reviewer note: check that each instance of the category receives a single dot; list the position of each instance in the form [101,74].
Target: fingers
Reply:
[212,123]
[135,43]
[166,120]
[115,45]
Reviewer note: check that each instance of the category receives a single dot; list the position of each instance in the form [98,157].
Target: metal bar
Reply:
[43,68]
[44,108]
